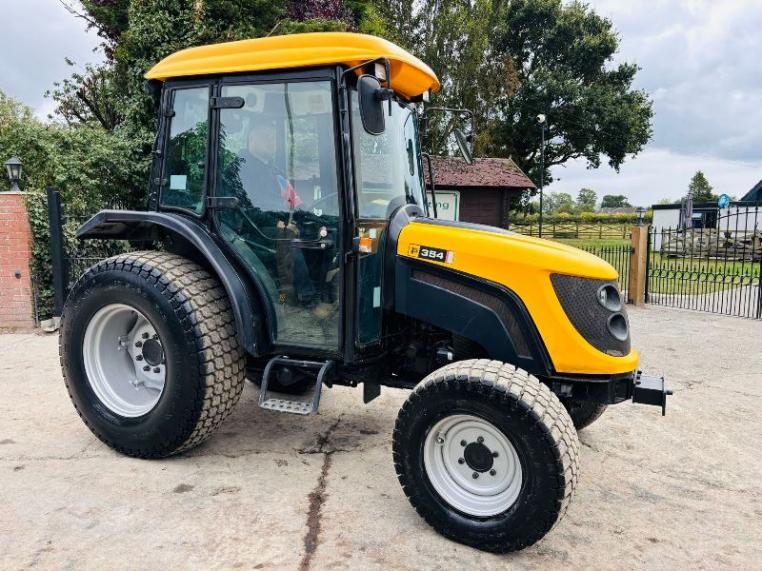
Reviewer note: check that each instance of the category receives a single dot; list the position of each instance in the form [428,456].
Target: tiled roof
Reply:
[454,172]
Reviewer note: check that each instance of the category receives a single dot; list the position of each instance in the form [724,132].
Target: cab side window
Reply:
[183,177]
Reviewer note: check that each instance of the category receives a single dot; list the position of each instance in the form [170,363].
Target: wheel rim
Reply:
[472,465]
[124,360]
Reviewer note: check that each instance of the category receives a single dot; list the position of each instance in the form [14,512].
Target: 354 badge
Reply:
[433,254]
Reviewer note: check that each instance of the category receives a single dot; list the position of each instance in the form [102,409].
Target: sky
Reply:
[699,60]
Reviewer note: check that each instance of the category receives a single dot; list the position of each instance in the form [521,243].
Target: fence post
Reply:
[636,283]
[58,261]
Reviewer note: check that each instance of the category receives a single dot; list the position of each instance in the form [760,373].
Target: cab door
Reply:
[276,157]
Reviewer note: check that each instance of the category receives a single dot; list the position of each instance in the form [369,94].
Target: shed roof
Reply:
[483,173]
[755,194]
[410,76]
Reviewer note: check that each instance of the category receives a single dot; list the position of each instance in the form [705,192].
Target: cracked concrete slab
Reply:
[273,491]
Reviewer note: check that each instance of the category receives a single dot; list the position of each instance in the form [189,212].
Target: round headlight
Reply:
[608,297]
[618,327]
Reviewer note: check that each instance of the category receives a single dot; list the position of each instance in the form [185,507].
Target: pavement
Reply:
[274,491]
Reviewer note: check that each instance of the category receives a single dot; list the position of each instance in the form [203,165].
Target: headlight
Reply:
[608,297]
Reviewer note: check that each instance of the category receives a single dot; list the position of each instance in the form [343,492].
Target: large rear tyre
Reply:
[486,454]
[584,413]
[149,353]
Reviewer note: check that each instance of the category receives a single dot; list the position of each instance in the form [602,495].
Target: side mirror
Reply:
[464,146]
[370,96]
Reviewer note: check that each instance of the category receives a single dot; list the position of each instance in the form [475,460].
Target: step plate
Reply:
[285,405]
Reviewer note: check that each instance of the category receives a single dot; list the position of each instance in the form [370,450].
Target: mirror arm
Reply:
[432,184]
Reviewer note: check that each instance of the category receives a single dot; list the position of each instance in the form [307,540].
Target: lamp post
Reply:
[641,215]
[541,120]
[13,170]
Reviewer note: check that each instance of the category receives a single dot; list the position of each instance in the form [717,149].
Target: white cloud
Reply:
[656,174]
[37,35]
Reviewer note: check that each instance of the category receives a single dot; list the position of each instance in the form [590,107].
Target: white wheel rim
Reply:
[124,360]
[455,460]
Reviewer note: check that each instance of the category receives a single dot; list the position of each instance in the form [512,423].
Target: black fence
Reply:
[70,257]
[711,267]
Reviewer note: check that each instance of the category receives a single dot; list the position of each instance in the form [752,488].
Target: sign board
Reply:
[448,204]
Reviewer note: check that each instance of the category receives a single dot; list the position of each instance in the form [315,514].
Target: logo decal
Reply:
[434,254]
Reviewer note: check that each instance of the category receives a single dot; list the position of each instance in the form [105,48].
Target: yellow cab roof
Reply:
[410,76]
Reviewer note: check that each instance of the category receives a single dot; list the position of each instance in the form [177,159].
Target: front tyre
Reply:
[486,454]
[149,353]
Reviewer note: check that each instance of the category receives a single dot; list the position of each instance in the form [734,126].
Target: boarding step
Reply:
[304,404]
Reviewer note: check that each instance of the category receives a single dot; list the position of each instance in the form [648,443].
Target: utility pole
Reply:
[541,120]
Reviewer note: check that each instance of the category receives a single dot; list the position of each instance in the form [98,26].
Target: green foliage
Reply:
[558,203]
[90,166]
[584,217]
[700,188]
[615,201]
[586,200]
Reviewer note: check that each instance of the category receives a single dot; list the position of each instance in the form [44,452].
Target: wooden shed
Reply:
[481,192]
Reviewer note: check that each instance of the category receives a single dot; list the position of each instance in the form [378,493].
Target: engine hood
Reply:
[523,265]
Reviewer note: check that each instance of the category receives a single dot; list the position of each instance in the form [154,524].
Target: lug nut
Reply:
[440,439]
[146,368]
[145,336]
[463,442]
[156,370]
[461,461]
[480,440]
[139,358]
[492,472]
[475,475]
[139,344]
[156,336]
[494,454]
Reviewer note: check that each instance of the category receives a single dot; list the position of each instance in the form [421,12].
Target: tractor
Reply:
[289,238]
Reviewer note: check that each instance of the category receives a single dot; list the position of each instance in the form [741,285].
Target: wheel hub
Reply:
[153,354]
[478,457]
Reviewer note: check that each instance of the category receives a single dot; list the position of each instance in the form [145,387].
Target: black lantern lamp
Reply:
[641,215]
[13,168]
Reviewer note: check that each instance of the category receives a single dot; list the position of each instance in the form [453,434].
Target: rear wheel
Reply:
[149,353]
[584,413]
[486,454]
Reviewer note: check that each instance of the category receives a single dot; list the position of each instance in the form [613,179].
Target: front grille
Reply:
[579,298]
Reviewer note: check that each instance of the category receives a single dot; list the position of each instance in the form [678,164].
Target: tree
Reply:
[558,203]
[510,60]
[615,201]
[586,200]
[700,188]
[562,55]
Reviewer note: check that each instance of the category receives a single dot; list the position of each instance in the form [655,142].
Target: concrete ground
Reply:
[276,491]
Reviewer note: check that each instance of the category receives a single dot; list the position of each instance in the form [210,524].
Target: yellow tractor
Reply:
[288,239]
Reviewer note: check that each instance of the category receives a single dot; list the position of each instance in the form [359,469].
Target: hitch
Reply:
[648,389]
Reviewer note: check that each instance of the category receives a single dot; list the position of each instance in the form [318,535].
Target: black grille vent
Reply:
[501,308]
[579,298]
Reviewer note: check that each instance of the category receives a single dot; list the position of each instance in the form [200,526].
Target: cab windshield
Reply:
[387,166]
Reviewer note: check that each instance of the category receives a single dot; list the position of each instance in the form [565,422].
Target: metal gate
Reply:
[712,267]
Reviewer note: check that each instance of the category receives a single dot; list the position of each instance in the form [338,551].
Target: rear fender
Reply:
[253,313]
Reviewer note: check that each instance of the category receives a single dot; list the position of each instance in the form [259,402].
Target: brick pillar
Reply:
[16,307]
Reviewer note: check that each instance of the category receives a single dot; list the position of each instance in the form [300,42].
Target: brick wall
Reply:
[16,308]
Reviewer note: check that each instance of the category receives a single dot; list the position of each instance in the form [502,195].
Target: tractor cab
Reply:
[297,169]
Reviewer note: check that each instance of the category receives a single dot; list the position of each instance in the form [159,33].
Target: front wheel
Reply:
[149,353]
[486,454]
